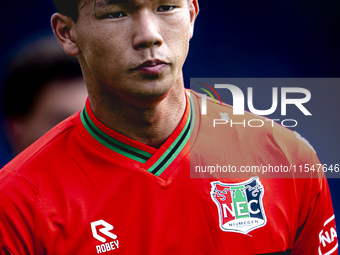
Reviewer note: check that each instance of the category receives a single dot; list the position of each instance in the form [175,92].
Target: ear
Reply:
[61,26]
[193,9]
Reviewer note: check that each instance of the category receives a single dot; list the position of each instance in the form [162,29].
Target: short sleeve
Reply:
[317,233]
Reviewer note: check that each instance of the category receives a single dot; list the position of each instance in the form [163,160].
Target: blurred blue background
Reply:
[232,39]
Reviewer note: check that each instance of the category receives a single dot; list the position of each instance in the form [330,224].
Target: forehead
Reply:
[109,2]
[105,2]
[100,3]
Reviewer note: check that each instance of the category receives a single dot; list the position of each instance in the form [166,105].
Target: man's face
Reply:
[134,48]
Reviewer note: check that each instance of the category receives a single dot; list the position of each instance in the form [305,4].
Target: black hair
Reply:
[68,8]
[31,70]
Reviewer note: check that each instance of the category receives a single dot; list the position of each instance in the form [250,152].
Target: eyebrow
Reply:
[112,2]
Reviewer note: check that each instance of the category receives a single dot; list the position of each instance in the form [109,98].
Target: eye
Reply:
[165,8]
[115,15]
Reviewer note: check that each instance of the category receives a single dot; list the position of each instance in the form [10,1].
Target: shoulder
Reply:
[18,200]
[41,155]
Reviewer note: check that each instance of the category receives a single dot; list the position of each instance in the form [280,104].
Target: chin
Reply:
[147,98]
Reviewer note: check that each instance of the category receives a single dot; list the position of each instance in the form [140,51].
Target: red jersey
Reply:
[85,189]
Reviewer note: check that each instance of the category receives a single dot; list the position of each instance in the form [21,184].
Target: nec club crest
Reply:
[239,205]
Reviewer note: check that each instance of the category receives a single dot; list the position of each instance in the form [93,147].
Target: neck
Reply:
[150,124]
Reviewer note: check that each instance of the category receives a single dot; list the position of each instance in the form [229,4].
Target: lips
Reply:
[151,67]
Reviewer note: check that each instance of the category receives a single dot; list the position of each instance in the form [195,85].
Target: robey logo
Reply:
[105,230]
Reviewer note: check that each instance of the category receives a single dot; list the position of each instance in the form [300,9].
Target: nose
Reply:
[146,32]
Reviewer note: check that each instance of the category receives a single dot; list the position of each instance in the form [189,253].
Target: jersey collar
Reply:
[111,139]
[153,160]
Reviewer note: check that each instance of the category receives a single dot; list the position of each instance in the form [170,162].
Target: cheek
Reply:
[102,52]
[96,44]
[183,33]
[180,39]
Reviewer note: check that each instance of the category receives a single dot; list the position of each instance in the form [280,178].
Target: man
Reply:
[52,89]
[115,178]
